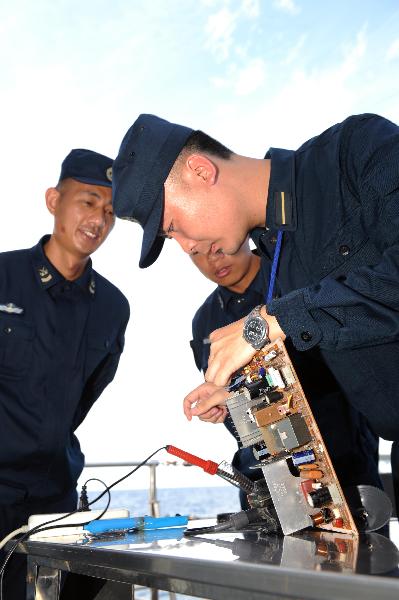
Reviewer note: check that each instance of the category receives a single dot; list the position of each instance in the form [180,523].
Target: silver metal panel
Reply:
[289,502]
[246,427]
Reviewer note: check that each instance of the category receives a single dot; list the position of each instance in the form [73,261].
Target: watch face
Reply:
[255,331]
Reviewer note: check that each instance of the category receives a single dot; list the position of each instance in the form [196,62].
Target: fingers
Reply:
[216,399]
[199,395]
[215,415]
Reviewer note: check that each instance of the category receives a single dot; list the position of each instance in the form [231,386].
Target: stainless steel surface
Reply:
[309,565]
[48,584]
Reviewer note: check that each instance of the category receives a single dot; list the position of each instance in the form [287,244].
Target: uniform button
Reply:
[7,330]
[106,343]
[306,336]
[344,250]
[239,300]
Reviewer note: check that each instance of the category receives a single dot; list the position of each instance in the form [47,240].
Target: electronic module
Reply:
[270,413]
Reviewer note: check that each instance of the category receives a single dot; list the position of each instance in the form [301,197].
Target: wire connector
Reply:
[83,500]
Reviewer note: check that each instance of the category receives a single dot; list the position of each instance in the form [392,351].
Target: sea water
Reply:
[198,502]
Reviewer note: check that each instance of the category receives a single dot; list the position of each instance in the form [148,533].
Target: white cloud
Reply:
[221,26]
[243,81]
[251,77]
[219,29]
[251,8]
[288,6]
[295,50]
[393,50]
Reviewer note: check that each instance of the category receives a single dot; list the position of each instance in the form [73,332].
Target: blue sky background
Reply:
[252,73]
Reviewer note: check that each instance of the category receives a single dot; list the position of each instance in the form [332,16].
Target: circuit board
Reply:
[270,413]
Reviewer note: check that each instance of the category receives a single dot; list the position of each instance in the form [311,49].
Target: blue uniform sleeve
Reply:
[360,308]
[196,343]
[101,376]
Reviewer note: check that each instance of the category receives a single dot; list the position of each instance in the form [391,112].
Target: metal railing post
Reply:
[153,501]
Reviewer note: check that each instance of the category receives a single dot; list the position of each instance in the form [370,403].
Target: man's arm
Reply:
[101,377]
[352,311]
[230,352]
[360,308]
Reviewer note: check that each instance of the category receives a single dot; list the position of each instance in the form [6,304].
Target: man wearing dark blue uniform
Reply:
[242,283]
[325,218]
[62,331]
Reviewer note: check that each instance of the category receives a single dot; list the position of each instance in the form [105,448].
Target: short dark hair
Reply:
[201,142]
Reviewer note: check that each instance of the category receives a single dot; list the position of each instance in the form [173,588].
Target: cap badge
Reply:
[108,173]
[11,309]
[44,275]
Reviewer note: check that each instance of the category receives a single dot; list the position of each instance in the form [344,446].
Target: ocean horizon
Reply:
[196,502]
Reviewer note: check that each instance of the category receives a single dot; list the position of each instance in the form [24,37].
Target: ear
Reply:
[52,198]
[202,169]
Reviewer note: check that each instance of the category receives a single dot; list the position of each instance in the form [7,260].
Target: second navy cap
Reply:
[87,166]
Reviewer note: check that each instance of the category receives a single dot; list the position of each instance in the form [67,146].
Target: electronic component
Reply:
[319,497]
[280,427]
[304,457]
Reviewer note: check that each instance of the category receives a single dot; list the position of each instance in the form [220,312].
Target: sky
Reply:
[251,73]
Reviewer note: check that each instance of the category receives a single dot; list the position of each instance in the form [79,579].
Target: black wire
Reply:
[128,475]
[43,526]
[211,529]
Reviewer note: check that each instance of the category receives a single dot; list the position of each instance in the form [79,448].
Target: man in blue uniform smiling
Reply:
[62,331]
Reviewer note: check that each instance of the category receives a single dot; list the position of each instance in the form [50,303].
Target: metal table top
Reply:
[312,564]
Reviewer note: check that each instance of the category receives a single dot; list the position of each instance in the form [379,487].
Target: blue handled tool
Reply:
[135,523]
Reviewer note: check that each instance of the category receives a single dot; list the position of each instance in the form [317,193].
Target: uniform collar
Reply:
[281,212]
[48,276]
[225,296]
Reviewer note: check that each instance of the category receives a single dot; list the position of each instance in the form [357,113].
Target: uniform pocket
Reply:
[16,347]
[99,345]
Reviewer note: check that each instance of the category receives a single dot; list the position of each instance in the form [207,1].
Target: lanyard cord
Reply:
[273,271]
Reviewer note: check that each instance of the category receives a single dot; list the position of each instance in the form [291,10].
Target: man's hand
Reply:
[207,402]
[229,351]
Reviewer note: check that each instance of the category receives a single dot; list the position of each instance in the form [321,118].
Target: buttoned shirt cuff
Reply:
[295,320]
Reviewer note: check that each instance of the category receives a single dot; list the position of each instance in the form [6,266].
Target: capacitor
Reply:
[338,522]
[324,516]
[319,497]
[312,474]
[317,519]
[303,457]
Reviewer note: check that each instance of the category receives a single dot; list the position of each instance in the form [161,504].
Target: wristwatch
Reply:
[256,329]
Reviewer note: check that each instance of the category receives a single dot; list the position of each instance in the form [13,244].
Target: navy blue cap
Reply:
[87,166]
[146,157]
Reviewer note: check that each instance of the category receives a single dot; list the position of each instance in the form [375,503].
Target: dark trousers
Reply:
[14,516]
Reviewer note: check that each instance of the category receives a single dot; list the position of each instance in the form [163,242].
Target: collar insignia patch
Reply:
[44,275]
[11,309]
[92,287]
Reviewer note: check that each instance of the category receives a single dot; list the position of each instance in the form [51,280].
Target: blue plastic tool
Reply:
[135,523]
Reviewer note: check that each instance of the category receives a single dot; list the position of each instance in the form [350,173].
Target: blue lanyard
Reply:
[273,271]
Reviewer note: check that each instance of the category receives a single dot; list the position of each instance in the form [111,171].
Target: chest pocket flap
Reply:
[16,346]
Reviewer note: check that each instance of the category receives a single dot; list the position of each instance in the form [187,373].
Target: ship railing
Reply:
[152,465]
[153,502]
